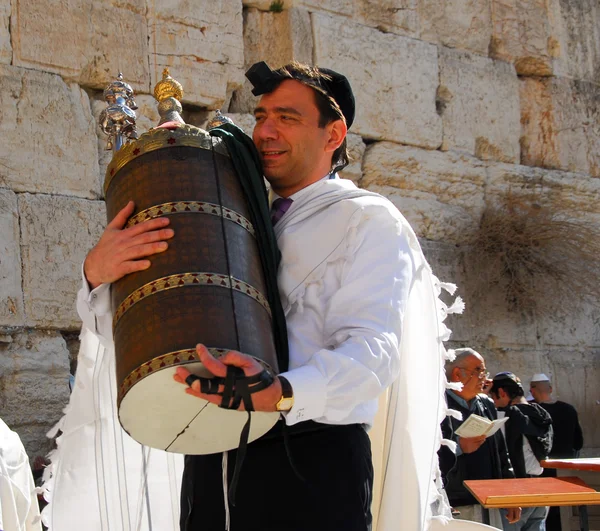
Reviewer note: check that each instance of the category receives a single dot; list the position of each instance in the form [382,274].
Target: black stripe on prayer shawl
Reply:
[247,165]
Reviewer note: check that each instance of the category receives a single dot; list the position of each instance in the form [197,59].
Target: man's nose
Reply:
[266,130]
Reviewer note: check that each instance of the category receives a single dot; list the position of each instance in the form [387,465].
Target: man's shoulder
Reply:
[533,409]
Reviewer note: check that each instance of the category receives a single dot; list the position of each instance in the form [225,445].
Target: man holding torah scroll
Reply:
[478,457]
[361,308]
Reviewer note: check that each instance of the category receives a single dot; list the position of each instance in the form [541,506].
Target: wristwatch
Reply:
[286,402]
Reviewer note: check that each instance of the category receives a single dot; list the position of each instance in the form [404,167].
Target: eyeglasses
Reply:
[482,374]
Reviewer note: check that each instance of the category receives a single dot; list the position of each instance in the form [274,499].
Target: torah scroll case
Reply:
[208,287]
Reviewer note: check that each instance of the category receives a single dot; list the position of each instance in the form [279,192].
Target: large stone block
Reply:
[576,37]
[487,321]
[391,16]
[522,36]
[48,140]
[201,43]
[88,41]
[5,45]
[356,151]
[479,102]
[440,193]
[291,29]
[575,195]
[11,294]
[34,389]
[462,24]
[395,92]
[560,124]
[56,234]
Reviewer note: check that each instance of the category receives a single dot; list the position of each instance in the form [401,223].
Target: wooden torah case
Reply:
[208,287]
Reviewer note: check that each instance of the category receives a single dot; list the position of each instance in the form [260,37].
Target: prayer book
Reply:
[477,425]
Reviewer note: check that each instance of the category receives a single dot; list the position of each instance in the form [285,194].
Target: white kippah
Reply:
[540,377]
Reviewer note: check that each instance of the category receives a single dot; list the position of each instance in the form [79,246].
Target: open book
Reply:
[476,425]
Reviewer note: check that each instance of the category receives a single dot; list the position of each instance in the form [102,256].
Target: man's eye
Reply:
[286,118]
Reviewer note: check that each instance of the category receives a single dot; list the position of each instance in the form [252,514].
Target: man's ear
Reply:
[337,132]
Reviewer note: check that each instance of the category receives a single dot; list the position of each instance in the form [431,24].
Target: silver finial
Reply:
[218,120]
[118,120]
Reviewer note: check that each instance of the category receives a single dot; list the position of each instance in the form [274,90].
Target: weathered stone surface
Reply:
[34,365]
[479,102]
[56,234]
[576,38]
[5,45]
[245,121]
[487,321]
[292,31]
[48,141]
[87,41]
[463,24]
[11,295]
[575,194]
[522,36]
[440,194]
[201,43]
[390,16]
[147,117]
[560,124]
[391,104]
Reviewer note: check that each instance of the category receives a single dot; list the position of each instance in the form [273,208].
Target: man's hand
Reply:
[119,251]
[470,444]
[264,400]
[513,515]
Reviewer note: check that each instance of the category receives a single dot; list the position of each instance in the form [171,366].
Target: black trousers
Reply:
[335,495]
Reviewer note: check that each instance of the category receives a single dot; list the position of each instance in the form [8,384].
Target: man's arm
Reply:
[529,420]
[119,251]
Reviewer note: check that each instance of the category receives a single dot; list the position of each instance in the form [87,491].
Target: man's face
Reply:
[540,391]
[500,398]
[471,374]
[294,150]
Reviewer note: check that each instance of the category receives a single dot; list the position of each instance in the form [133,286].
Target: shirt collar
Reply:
[304,191]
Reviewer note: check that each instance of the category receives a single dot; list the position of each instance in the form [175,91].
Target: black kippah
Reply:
[265,80]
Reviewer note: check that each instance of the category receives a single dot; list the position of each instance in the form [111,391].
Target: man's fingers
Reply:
[141,251]
[118,222]
[214,365]
[147,226]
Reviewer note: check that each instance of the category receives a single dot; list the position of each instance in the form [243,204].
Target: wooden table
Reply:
[591,464]
[535,492]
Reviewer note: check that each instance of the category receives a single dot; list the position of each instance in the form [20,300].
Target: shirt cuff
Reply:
[98,299]
[310,393]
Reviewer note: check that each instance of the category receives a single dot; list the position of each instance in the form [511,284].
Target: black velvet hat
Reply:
[506,379]
[265,80]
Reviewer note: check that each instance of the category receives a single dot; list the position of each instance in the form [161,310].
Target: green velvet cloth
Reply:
[246,162]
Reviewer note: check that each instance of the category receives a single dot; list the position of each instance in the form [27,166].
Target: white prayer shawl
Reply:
[19,509]
[406,436]
[99,478]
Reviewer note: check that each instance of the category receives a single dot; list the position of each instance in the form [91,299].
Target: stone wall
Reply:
[457,103]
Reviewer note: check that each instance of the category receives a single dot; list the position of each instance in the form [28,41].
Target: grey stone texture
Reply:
[201,42]
[440,194]
[48,140]
[87,41]
[291,29]
[56,234]
[11,294]
[5,45]
[478,99]
[560,121]
[461,24]
[391,105]
[34,371]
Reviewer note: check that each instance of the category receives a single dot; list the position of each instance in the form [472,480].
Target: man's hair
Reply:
[510,383]
[461,354]
[328,108]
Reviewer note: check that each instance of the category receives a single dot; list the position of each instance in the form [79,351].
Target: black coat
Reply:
[531,421]
[490,461]
[568,438]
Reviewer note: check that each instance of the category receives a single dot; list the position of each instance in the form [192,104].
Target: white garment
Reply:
[19,510]
[99,478]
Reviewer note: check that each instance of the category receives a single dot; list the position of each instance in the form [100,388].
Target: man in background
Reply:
[568,437]
[475,457]
[528,435]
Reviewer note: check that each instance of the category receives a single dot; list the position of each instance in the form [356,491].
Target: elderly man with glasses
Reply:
[475,457]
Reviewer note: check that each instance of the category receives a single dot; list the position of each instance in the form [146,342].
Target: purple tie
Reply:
[279,208]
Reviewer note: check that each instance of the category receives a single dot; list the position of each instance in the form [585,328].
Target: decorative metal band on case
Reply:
[159,138]
[179,207]
[178,357]
[190,279]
